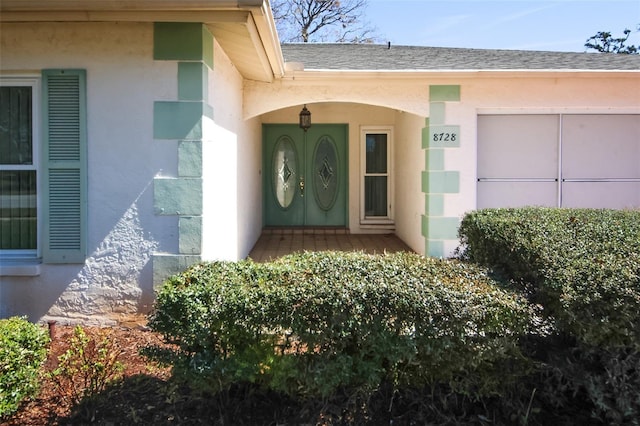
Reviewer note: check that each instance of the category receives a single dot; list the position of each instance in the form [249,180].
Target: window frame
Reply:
[389,218]
[35,82]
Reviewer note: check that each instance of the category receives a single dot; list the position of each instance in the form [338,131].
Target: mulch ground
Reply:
[145,394]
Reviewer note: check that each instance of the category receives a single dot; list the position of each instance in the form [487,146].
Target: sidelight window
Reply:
[376,199]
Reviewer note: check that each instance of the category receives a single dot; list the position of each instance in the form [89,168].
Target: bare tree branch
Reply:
[322,20]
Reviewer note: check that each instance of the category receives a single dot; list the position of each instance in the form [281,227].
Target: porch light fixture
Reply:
[305,118]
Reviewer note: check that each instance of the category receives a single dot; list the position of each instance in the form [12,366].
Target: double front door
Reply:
[305,175]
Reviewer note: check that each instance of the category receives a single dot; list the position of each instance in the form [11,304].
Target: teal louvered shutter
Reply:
[64,171]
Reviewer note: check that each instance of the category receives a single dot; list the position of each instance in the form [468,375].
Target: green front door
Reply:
[305,175]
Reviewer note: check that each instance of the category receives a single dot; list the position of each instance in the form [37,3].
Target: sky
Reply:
[558,25]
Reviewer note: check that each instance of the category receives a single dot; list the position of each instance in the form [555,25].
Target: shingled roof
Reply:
[376,57]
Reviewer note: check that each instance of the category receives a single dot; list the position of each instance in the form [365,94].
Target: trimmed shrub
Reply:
[582,265]
[23,350]
[313,324]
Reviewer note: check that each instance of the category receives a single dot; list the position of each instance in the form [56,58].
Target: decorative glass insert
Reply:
[18,182]
[285,171]
[325,166]
[326,173]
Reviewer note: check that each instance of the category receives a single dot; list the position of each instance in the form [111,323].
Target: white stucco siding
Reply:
[409,162]
[232,195]
[123,81]
[398,93]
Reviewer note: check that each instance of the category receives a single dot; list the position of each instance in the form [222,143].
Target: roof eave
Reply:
[245,23]
[314,74]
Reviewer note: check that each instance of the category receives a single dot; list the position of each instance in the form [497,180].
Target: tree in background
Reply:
[604,42]
[339,21]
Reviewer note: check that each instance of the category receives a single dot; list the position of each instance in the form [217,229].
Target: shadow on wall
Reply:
[115,281]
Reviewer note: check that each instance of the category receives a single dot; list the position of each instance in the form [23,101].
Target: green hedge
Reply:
[23,350]
[583,265]
[314,323]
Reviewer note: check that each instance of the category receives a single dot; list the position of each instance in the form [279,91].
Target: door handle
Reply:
[301,186]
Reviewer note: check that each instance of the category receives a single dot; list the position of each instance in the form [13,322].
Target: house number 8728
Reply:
[445,137]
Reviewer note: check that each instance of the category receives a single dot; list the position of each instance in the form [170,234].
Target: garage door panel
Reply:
[518,146]
[517,194]
[609,195]
[600,146]
[600,160]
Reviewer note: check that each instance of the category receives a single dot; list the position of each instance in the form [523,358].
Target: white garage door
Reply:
[559,160]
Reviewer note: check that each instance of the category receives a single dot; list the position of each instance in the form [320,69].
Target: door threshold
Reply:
[306,230]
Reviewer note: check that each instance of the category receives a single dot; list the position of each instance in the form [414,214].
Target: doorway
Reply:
[305,175]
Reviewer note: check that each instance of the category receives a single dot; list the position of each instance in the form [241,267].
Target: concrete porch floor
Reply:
[274,243]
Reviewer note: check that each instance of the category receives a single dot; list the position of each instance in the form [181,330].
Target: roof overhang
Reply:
[244,28]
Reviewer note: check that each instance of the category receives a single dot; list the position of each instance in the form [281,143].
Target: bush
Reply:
[582,265]
[23,350]
[312,324]
[87,367]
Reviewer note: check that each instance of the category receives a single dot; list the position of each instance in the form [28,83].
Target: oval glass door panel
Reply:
[325,173]
[285,171]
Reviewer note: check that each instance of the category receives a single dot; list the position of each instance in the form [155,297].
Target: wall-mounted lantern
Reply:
[305,118]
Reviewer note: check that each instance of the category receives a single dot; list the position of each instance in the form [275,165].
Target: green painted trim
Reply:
[192,45]
[425,137]
[166,265]
[437,112]
[190,234]
[440,228]
[207,46]
[444,93]
[208,111]
[193,81]
[436,181]
[190,158]
[443,182]
[435,248]
[435,205]
[424,229]
[443,228]
[444,136]
[64,166]
[425,134]
[177,120]
[435,159]
[182,196]
[182,41]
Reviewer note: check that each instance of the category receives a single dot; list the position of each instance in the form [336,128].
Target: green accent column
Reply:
[182,119]
[437,181]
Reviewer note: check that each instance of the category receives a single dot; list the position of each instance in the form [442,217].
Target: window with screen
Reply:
[18,168]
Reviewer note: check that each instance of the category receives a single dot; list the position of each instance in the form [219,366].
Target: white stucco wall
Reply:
[232,150]
[123,81]
[409,163]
